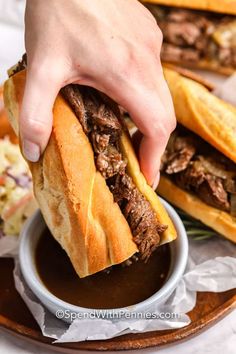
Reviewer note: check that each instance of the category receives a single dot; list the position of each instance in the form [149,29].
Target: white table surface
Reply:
[221,338]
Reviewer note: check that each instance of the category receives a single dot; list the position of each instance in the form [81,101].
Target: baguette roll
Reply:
[74,198]
[220,221]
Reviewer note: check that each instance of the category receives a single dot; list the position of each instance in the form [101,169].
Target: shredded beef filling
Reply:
[21,65]
[197,167]
[191,35]
[99,119]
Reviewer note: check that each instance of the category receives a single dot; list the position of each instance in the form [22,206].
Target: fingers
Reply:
[153,113]
[36,114]
[156,181]
[155,137]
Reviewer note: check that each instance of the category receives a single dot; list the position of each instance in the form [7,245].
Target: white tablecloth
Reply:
[219,339]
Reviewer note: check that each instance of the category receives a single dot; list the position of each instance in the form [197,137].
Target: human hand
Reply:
[113,46]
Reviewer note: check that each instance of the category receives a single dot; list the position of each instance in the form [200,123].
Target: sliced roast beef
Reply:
[171,53]
[181,34]
[179,154]
[99,120]
[100,141]
[192,177]
[179,16]
[140,216]
[230,185]
[110,162]
[190,55]
[76,102]
[197,167]
[213,193]
[208,187]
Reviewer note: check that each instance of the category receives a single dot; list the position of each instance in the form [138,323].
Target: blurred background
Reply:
[11,34]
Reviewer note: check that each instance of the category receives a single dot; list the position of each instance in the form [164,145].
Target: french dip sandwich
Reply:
[198,172]
[197,33]
[88,184]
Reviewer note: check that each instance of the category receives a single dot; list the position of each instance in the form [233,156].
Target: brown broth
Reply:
[122,286]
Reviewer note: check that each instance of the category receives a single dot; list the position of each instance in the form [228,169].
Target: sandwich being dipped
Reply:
[92,194]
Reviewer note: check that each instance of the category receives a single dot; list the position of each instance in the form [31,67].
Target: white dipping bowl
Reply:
[28,241]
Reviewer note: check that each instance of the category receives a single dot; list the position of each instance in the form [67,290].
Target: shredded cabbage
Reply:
[15,187]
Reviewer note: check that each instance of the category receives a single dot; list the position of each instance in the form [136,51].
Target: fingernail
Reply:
[31,150]
[156,181]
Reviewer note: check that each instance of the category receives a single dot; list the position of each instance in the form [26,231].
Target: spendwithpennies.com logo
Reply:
[119,314]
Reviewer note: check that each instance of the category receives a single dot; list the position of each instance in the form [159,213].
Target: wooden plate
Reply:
[15,317]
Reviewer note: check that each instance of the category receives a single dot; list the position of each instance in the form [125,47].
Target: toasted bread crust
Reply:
[202,112]
[211,65]
[218,220]
[222,6]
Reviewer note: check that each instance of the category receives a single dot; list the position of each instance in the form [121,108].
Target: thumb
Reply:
[35,121]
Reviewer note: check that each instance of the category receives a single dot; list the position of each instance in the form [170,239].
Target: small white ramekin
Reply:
[28,242]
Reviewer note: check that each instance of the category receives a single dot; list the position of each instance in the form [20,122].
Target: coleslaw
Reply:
[16,196]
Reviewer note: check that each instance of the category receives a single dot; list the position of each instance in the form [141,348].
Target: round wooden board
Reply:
[15,317]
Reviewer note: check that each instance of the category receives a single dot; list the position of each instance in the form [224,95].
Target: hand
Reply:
[113,46]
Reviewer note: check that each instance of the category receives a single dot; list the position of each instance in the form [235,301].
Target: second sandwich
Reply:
[196,38]
[199,165]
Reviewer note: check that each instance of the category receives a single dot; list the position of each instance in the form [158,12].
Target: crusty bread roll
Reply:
[75,201]
[202,112]
[218,220]
[211,65]
[222,6]
[215,121]
[185,72]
